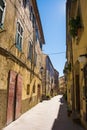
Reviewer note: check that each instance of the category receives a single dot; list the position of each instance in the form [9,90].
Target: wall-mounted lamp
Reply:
[82,58]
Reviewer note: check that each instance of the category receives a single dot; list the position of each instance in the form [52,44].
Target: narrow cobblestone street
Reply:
[47,115]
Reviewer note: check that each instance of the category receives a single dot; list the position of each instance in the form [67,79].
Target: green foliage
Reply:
[65,70]
[74,24]
[68,68]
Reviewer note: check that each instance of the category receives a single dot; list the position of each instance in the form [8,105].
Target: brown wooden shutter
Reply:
[18,96]
[11,97]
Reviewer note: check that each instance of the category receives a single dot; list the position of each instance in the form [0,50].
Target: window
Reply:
[28,89]
[2,11]
[31,13]
[41,45]
[19,36]
[32,17]
[37,34]
[25,3]
[34,88]
[35,58]
[30,51]
[34,21]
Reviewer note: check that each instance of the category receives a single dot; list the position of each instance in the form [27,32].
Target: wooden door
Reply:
[38,92]
[18,96]
[85,93]
[11,97]
[77,94]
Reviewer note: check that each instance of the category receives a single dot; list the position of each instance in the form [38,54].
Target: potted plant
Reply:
[65,70]
[75,25]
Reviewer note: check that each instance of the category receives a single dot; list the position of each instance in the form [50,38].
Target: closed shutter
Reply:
[18,96]
[11,97]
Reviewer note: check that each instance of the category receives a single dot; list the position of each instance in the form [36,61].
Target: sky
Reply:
[52,14]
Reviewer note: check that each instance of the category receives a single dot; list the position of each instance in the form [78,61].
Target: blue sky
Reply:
[52,14]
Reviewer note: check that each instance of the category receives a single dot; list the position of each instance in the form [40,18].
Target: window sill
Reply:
[20,49]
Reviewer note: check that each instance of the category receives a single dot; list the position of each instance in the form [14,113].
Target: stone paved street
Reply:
[47,115]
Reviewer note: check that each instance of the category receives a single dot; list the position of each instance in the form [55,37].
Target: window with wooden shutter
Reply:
[2,11]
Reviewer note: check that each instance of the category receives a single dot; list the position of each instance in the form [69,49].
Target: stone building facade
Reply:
[21,40]
[56,82]
[50,77]
[76,35]
[62,85]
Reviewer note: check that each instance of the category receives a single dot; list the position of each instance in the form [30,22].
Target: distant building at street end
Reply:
[56,81]
[62,85]
[50,77]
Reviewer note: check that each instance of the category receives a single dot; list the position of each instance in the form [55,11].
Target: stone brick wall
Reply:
[11,59]
[29,103]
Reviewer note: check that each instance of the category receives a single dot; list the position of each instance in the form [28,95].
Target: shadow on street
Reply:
[63,122]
